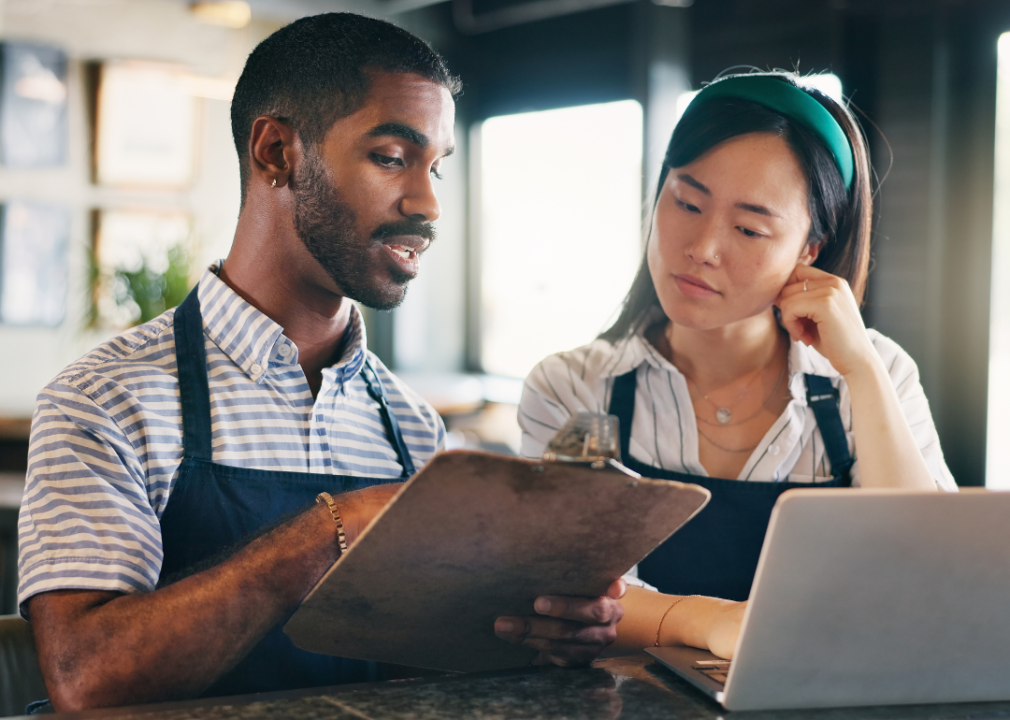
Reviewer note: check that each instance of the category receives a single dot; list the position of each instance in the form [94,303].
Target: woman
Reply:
[740,361]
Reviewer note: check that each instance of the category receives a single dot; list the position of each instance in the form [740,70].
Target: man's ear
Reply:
[811,251]
[274,148]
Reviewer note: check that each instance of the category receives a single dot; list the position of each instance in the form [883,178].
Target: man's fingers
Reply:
[513,629]
[617,589]
[596,611]
[534,631]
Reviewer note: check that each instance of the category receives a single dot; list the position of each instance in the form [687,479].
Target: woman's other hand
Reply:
[819,309]
[567,631]
[725,629]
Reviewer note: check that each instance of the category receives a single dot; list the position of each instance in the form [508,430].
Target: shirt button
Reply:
[285,350]
[256,369]
[774,450]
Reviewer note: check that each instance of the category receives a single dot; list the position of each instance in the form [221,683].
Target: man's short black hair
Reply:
[313,72]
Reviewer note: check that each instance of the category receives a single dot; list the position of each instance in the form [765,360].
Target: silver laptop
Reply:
[870,597]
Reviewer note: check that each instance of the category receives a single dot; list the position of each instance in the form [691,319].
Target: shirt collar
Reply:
[254,342]
[635,350]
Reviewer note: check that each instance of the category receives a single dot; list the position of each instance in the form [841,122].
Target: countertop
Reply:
[632,688]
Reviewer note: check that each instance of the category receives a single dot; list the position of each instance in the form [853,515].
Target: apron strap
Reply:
[194,393]
[822,397]
[378,394]
[622,405]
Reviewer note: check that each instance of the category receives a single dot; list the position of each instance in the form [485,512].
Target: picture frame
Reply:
[34,242]
[33,105]
[140,264]
[146,126]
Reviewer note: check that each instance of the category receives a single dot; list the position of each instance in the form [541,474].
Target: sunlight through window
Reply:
[998,424]
[560,228]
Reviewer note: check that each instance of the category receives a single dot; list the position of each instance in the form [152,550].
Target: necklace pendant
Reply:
[724,415]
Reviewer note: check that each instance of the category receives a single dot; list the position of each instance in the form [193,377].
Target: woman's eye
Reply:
[749,233]
[688,206]
[436,174]
[386,160]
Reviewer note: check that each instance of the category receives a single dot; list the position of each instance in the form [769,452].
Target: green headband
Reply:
[785,98]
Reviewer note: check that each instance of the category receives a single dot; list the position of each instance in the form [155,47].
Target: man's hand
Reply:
[568,631]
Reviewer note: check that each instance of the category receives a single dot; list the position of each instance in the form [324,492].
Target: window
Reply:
[998,423]
[560,229]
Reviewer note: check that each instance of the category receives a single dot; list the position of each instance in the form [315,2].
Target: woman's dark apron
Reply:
[716,553]
[215,507]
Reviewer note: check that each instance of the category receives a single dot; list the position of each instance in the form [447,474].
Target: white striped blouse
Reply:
[106,440]
[664,432]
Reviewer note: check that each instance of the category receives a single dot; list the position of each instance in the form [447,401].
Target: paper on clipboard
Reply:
[475,536]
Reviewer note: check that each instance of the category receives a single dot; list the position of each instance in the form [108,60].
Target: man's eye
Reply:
[386,160]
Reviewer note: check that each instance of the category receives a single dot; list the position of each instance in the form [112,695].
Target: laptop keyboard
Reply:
[716,670]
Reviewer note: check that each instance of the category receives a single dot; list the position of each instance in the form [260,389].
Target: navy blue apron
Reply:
[716,553]
[215,507]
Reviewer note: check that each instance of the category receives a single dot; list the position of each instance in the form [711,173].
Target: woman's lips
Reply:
[694,287]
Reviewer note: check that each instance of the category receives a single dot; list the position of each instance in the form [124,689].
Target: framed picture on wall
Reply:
[146,126]
[33,263]
[141,265]
[33,105]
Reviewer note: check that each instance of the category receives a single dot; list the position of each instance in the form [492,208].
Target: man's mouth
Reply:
[405,252]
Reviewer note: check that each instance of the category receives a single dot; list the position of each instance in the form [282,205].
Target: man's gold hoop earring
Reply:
[274,183]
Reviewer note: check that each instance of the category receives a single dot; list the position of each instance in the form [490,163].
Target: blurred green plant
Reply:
[144,293]
[150,291]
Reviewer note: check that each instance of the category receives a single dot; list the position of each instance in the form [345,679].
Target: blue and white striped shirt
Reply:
[106,440]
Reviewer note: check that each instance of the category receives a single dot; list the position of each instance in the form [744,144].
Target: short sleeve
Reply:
[555,390]
[904,376]
[631,577]
[87,521]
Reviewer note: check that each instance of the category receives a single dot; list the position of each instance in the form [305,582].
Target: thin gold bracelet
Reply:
[672,606]
[324,498]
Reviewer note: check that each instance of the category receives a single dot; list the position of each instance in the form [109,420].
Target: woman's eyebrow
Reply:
[759,209]
[693,183]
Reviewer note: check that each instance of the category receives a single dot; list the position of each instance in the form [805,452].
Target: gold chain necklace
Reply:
[756,412]
[723,447]
[725,413]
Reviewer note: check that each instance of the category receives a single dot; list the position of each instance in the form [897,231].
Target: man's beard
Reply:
[328,227]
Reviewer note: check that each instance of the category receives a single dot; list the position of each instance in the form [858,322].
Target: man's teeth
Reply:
[405,253]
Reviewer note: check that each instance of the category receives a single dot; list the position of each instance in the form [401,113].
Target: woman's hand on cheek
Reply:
[819,309]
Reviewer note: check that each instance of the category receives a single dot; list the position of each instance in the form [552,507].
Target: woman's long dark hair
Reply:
[842,219]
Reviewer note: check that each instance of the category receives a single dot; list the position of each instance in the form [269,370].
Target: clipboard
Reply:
[475,536]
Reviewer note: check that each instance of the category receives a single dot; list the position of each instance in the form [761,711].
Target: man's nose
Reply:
[419,201]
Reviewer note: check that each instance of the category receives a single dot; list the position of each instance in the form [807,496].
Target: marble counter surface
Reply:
[634,688]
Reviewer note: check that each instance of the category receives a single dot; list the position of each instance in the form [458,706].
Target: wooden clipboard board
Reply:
[472,537]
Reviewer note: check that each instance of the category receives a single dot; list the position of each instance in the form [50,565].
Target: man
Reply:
[156,456]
